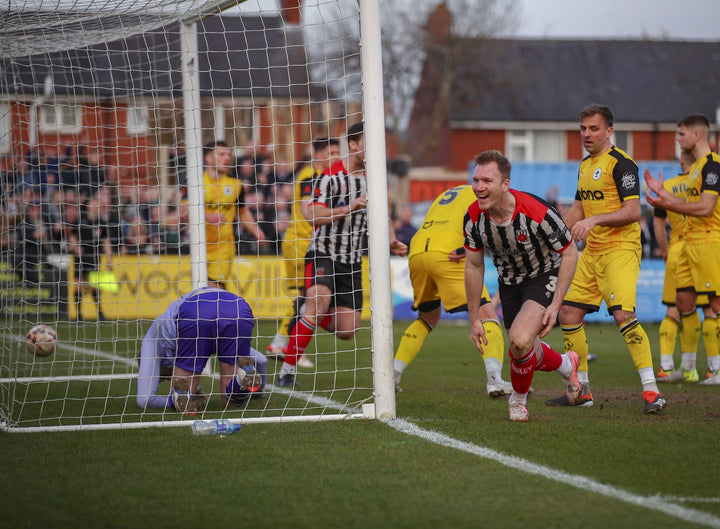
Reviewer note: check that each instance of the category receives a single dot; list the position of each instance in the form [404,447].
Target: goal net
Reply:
[107,109]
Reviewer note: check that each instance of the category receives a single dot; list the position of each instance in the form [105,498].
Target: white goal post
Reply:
[105,109]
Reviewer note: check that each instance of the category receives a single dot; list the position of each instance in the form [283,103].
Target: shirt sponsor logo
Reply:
[586,194]
[628,181]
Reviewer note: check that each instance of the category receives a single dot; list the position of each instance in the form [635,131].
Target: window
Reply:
[622,139]
[5,128]
[549,146]
[137,120]
[536,146]
[60,117]
[243,124]
[519,146]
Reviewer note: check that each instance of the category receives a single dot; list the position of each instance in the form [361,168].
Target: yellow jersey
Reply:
[704,176]
[442,229]
[222,196]
[604,183]
[677,186]
[299,229]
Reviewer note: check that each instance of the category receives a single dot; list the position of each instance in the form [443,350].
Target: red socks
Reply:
[326,323]
[521,372]
[550,359]
[300,337]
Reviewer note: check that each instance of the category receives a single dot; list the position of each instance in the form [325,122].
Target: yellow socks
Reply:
[637,343]
[575,340]
[412,341]
[668,334]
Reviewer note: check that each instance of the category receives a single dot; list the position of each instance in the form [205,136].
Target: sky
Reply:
[674,19]
[659,19]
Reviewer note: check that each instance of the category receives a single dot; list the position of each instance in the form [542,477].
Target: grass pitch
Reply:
[369,474]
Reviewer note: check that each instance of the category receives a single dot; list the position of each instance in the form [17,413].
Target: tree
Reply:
[417,35]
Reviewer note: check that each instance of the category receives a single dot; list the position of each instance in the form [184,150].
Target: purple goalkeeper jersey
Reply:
[199,324]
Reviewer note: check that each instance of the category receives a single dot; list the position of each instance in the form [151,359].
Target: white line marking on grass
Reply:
[99,354]
[657,503]
[303,395]
[689,499]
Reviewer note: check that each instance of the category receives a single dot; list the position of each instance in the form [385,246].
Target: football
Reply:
[41,340]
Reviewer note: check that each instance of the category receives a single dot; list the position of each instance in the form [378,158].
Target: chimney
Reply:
[290,10]
[438,25]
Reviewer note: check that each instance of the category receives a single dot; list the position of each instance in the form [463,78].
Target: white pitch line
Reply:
[656,503]
[689,499]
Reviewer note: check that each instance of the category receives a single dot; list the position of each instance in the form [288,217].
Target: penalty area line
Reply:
[656,503]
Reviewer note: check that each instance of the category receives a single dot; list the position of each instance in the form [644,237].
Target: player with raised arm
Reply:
[326,151]
[697,271]
[437,274]
[535,257]
[689,327]
[334,293]
[179,343]
[605,216]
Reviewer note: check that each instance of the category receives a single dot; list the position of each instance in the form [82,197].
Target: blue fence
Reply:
[649,292]
[537,178]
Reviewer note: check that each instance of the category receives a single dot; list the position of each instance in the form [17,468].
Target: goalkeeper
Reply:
[437,273]
[180,342]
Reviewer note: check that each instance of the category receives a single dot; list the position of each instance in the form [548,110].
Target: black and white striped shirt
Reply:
[344,240]
[527,245]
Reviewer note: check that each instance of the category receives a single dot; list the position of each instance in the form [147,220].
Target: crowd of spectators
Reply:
[37,193]
[49,184]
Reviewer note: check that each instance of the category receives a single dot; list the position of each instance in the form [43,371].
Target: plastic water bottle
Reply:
[215,427]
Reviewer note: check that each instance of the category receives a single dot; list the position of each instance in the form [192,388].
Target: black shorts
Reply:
[343,280]
[540,289]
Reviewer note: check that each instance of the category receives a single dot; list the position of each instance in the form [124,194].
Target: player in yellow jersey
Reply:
[437,273]
[697,270]
[688,326]
[605,216]
[326,151]
[223,205]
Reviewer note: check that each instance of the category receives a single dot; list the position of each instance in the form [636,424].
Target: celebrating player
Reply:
[437,273]
[697,270]
[326,152]
[180,341]
[334,294]
[535,257]
[605,216]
